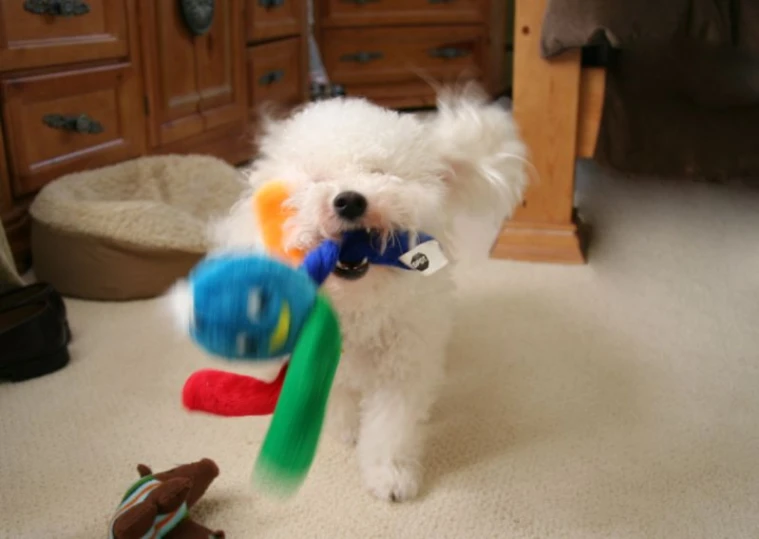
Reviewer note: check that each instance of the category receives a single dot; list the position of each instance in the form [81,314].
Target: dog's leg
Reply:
[393,413]
[343,414]
[390,443]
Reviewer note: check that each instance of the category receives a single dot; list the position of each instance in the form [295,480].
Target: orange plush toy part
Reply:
[269,206]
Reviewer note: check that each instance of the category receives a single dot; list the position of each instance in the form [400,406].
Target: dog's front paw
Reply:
[393,481]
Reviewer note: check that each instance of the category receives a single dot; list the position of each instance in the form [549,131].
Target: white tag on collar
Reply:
[426,258]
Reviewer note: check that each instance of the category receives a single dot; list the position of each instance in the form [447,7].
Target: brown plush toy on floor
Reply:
[157,505]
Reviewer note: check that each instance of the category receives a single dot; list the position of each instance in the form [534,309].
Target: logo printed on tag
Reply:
[426,258]
[420,262]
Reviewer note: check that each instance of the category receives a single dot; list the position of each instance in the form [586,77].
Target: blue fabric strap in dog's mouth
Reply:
[351,257]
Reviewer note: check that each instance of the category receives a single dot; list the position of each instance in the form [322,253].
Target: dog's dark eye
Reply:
[377,171]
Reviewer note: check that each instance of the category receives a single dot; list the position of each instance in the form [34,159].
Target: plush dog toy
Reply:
[228,394]
[157,505]
[254,307]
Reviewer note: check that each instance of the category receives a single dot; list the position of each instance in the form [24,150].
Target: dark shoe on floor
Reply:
[36,293]
[32,341]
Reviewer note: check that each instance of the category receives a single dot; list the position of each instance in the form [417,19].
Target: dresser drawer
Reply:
[444,54]
[275,74]
[377,12]
[269,19]
[401,95]
[59,123]
[36,33]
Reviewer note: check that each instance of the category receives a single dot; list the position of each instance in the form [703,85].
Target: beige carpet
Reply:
[615,400]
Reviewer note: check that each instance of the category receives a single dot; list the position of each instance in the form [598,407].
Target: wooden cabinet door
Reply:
[220,57]
[195,83]
[36,33]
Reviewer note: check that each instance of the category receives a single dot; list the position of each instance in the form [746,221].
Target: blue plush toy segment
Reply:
[248,307]
[253,306]
[357,245]
[360,244]
[320,262]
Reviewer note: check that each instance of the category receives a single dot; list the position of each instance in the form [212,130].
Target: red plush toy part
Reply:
[231,395]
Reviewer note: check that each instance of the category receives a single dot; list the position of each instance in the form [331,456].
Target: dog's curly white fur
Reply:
[415,173]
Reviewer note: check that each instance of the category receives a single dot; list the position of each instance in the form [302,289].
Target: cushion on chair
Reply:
[129,231]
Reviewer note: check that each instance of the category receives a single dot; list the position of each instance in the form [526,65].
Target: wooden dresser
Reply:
[86,83]
[389,50]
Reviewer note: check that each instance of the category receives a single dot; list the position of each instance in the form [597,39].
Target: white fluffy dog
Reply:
[353,164]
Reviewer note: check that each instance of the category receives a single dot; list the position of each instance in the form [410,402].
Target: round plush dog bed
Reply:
[129,231]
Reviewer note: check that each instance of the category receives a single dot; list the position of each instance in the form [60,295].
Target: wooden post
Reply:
[546,102]
[15,220]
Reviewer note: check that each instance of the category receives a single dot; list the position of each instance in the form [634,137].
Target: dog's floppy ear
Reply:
[479,144]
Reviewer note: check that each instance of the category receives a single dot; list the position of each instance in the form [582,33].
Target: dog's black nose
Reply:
[350,205]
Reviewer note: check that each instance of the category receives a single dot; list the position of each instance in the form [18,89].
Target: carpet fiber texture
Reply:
[614,400]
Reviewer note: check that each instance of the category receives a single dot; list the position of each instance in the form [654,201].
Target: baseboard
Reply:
[542,242]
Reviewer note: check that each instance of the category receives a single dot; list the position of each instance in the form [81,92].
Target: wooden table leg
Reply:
[546,102]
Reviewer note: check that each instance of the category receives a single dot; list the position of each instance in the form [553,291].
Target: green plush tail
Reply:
[290,444]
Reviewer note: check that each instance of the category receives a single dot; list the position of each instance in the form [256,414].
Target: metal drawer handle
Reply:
[77,123]
[57,8]
[449,52]
[441,1]
[361,2]
[269,4]
[362,57]
[272,77]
